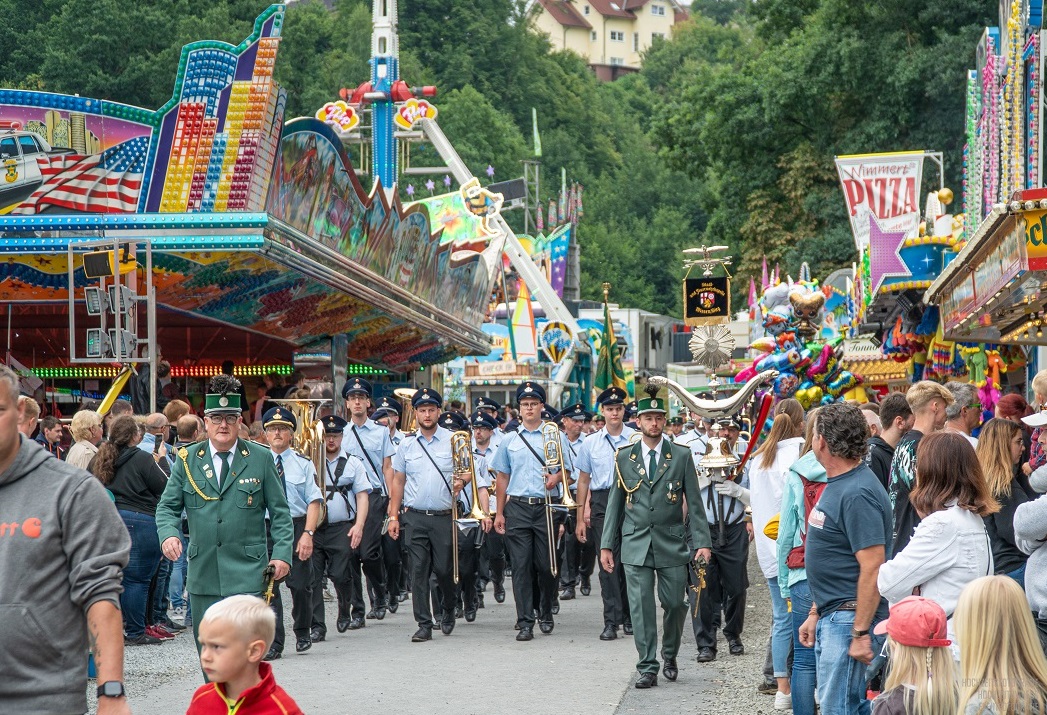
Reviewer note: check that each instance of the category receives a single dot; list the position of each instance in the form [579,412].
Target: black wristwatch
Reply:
[855,633]
[111,689]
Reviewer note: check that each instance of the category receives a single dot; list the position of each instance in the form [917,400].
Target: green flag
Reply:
[609,368]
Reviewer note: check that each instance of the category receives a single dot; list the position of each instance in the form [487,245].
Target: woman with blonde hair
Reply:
[86,428]
[999,452]
[1002,668]
[766,484]
[922,675]
[803,484]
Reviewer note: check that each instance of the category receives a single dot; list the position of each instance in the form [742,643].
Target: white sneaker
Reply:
[783,701]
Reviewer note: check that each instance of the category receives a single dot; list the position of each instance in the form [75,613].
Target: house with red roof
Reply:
[611,35]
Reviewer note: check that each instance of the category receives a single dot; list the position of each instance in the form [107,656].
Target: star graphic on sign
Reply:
[410,189]
[447,181]
[430,185]
[490,171]
[885,259]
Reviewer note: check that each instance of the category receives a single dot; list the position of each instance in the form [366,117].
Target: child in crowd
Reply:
[1002,669]
[922,675]
[235,634]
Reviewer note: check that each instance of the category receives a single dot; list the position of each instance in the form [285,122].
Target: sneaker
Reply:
[144,639]
[783,701]
[170,626]
[159,632]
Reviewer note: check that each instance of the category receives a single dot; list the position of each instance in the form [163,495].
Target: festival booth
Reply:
[262,242]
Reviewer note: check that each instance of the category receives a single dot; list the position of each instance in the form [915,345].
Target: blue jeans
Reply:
[141,567]
[781,631]
[804,672]
[1019,575]
[842,680]
[176,591]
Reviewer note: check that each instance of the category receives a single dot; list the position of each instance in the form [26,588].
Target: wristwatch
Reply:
[855,633]
[111,689]
[309,531]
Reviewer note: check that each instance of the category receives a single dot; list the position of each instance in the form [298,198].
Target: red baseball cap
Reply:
[916,621]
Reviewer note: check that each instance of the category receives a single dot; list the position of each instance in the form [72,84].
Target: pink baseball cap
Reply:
[916,621]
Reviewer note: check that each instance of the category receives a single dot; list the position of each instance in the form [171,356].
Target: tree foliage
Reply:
[727,135]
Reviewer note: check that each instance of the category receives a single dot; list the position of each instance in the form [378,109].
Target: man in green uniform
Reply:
[655,480]
[225,485]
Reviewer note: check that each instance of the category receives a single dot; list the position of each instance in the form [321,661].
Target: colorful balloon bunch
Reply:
[813,375]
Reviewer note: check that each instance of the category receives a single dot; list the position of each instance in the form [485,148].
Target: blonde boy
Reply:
[235,634]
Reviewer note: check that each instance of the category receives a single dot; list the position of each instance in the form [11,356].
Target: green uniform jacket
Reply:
[651,517]
[227,552]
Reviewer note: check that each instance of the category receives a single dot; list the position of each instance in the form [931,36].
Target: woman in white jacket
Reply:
[771,463]
[950,547]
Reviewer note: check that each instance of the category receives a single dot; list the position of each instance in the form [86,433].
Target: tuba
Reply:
[309,441]
[407,421]
[554,460]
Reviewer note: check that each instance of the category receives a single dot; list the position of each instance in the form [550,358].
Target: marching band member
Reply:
[578,557]
[423,481]
[523,488]
[595,478]
[492,554]
[346,490]
[371,443]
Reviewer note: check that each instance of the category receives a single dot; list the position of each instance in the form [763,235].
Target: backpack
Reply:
[811,492]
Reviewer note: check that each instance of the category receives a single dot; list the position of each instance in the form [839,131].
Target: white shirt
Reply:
[216,460]
[972,440]
[645,452]
[766,485]
[948,550]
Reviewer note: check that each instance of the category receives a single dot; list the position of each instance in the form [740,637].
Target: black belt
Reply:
[848,606]
[428,512]
[528,500]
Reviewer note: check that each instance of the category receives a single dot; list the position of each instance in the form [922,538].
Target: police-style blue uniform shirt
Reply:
[526,473]
[376,440]
[428,485]
[341,504]
[300,478]
[596,456]
[487,454]
[483,481]
[397,437]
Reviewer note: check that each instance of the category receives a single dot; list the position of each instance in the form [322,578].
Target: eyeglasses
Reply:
[219,419]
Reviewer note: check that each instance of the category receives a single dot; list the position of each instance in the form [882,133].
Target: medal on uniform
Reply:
[250,499]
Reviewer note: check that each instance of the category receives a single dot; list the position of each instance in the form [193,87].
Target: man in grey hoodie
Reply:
[62,553]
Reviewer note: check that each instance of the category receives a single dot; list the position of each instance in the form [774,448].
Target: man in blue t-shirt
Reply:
[848,538]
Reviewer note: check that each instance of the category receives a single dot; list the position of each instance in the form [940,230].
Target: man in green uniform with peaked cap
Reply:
[225,485]
[654,481]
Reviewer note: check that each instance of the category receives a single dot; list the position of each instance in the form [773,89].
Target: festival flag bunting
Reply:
[523,326]
[609,368]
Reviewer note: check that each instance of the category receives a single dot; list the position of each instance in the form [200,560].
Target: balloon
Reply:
[781,361]
[821,362]
[842,384]
[763,345]
[746,374]
[785,385]
[809,396]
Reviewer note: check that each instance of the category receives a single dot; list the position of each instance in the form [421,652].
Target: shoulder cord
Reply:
[182,453]
[621,481]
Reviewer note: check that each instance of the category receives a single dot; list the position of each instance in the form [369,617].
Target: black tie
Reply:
[224,474]
[280,471]
[652,466]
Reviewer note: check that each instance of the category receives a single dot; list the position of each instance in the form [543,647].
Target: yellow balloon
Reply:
[945,196]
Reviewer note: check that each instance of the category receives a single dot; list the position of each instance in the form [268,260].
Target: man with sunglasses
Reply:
[226,486]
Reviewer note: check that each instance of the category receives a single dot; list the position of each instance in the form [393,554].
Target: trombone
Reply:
[553,454]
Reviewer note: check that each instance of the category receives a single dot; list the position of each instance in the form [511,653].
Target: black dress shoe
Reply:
[627,628]
[479,600]
[458,612]
[317,636]
[546,627]
[343,624]
[422,634]
[586,588]
[499,593]
[735,646]
[568,594]
[402,596]
[357,623]
[526,633]
[470,615]
[379,612]
[302,645]
[556,608]
[610,633]
[706,655]
[669,669]
[646,680]
[373,614]
[447,627]
[273,654]
[394,605]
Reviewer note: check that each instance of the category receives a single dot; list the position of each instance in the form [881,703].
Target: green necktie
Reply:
[224,474]
[652,466]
